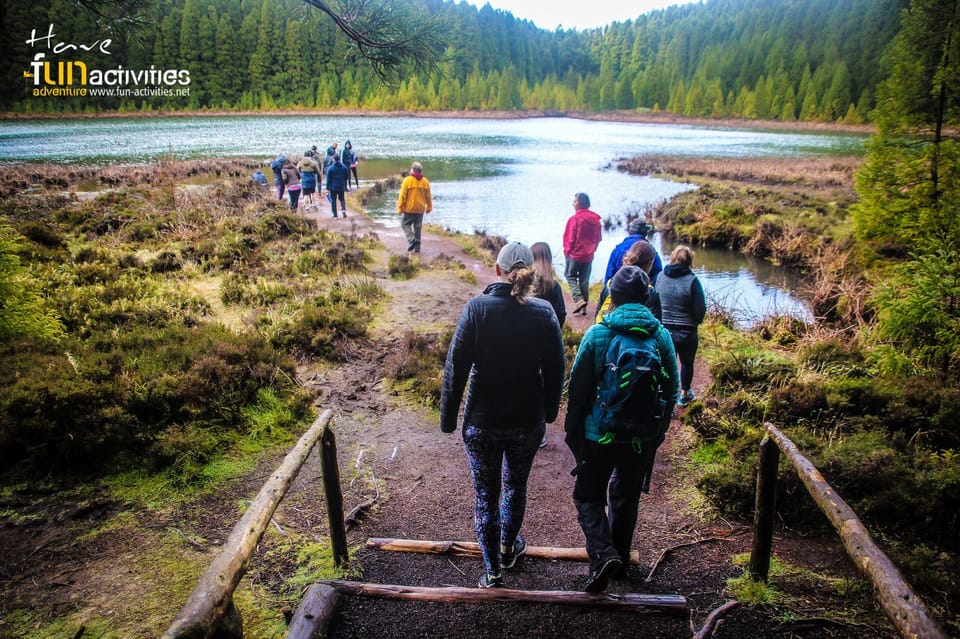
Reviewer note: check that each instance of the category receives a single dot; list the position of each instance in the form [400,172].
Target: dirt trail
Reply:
[392,454]
[420,479]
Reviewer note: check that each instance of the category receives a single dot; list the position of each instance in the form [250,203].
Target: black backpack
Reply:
[629,405]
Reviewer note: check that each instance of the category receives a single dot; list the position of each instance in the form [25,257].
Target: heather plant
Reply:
[135,284]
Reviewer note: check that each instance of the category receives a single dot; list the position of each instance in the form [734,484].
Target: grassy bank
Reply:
[883,431]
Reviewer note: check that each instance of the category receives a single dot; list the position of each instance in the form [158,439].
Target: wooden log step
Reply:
[472,549]
[635,602]
[313,616]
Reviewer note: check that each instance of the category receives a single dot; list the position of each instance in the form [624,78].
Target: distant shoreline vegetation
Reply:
[639,117]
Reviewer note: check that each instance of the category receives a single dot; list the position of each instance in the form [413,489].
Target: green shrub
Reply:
[324,324]
[416,367]
[402,267]
[106,399]
[165,262]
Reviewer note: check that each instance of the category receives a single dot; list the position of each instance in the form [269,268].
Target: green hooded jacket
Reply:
[587,371]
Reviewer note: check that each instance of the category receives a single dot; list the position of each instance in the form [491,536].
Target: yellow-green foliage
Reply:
[416,367]
[154,367]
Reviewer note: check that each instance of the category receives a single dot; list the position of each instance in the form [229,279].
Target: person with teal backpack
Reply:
[622,389]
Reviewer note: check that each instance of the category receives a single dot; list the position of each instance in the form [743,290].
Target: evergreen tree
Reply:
[909,185]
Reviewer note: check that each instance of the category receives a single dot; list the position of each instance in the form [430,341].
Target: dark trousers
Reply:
[607,495]
[685,342]
[412,224]
[578,277]
[294,195]
[356,179]
[334,196]
[500,462]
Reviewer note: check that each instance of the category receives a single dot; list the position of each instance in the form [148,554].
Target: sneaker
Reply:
[490,581]
[598,579]
[685,397]
[509,559]
[543,442]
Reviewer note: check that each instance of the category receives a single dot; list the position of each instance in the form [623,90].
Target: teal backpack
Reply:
[629,405]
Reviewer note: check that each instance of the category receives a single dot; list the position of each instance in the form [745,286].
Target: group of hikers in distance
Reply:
[312,174]
[506,365]
[507,355]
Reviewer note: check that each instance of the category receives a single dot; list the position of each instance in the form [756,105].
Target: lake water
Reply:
[514,178]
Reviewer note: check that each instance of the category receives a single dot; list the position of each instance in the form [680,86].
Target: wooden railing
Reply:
[904,608]
[210,611]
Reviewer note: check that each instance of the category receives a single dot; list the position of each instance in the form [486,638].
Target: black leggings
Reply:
[685,342]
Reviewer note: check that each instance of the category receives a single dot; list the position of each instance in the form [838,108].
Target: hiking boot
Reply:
[490,581]
[581,306]
[685,397]
[509,559]
[598,579]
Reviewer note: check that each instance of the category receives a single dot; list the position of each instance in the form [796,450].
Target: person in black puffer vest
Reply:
[683,307]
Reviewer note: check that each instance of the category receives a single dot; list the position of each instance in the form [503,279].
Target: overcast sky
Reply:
[576,14]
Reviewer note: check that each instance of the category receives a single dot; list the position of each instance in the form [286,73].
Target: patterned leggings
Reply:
[500,457]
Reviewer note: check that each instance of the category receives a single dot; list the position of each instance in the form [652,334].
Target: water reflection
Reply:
[514,178]
[745,288]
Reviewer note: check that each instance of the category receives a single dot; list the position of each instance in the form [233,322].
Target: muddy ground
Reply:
[415,482]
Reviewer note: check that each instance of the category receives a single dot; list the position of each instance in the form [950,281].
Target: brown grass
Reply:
[816,172]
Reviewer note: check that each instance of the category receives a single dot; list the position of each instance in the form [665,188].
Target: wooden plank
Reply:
[637,602]
[312,618]
[472,549]
[904,608]
[213,595]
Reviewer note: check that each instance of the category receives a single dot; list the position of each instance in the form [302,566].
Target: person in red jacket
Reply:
[580,240]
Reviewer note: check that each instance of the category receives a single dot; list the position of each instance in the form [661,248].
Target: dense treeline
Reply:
[778,59]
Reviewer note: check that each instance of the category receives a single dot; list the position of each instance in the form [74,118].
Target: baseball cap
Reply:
[514,255]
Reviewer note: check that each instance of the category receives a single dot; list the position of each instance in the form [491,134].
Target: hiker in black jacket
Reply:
[508,346]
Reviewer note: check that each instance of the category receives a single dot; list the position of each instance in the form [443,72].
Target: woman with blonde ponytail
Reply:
[508,346]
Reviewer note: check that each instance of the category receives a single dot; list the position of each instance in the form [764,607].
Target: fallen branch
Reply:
[714,618]
[193,543]
[360,510]
[672,604]
[669,550]
[472,549]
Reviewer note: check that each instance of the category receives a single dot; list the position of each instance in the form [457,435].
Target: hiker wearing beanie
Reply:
[507,345]
[637,231]
[613,428]
[414,201]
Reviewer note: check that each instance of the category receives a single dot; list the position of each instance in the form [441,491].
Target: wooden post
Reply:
[765,510]
[212,599]
[904,608]
[331,486]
